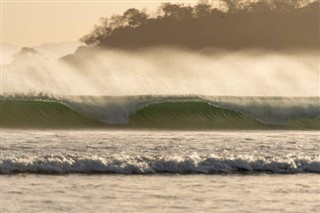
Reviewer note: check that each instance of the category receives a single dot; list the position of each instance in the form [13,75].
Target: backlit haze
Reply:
[151,58]
[32,23]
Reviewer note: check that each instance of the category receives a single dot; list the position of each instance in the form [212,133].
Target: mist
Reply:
[164,71]
[250,49]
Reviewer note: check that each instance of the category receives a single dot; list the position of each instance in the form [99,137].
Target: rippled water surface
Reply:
[159,171]
[161,193]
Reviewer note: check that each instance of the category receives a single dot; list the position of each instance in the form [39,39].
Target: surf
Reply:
[194,164]
[161,112]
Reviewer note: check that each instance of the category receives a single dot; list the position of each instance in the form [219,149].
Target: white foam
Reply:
[126,164]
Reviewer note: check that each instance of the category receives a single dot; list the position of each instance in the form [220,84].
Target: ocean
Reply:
[161,193]
[105,170]
[160,154]
[189,107]
[183,112]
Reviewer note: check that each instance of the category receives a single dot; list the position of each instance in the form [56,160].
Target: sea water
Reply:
[159,171]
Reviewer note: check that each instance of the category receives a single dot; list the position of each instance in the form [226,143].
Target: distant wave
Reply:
[39,114]
[65,164]
[166,112]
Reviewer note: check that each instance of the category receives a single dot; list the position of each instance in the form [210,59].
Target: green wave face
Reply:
[150,113]
[41,114]
[190,115]
[304,123]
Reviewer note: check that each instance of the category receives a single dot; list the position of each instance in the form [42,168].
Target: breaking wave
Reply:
[167,112]
[124,164]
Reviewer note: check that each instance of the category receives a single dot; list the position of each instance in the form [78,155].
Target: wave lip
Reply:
[162,112]
[60,164]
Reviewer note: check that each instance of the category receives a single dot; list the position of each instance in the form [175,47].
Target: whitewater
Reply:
[152,152]
[176,171]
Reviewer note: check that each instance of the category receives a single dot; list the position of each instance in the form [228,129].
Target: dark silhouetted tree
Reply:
[202,9]
[177,11]
[135,17]
[272,24]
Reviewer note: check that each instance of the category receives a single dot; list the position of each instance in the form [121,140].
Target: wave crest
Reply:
[168,112]
[124,164]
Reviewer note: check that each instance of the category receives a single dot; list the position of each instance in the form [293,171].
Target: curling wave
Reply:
[167,112]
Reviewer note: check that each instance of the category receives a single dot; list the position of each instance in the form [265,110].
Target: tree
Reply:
[176,11]
[202,9]
[233,5]
[99,32]
[134,17]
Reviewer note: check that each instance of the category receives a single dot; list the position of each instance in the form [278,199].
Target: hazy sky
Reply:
[29,23]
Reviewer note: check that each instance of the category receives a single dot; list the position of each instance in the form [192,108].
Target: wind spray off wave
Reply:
[165,71]
[151,88]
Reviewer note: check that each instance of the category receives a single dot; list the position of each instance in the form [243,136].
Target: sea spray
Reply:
[165,71]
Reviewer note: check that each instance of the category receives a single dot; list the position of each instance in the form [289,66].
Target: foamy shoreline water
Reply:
[156,152]
[249,170]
